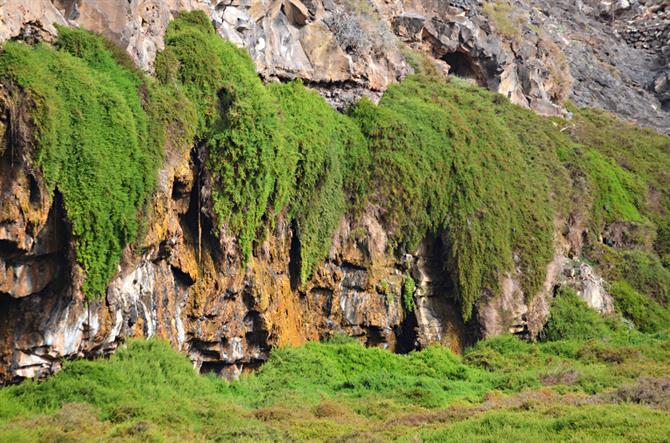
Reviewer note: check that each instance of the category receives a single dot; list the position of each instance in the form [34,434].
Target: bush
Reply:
[571,318]
[268,147]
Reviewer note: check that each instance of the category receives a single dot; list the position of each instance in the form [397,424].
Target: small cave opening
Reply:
[463,66]
[214,367]
[406,334]
[294,257]
[34,190]
[8,249]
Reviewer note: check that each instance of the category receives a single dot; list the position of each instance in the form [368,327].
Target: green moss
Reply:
[448,157]
[571,318]
[94,142]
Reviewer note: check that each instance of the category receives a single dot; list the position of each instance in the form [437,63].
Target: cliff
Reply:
[266,218]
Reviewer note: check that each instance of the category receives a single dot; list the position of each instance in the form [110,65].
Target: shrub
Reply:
[571,318]
[268,147]
[349,31]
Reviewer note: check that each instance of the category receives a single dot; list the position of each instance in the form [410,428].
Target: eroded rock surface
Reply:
[189,286]
[612,55]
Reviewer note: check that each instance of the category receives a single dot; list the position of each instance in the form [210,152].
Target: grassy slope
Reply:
[502,390]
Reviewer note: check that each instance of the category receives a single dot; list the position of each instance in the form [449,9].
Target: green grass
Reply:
[538,422]
[322,391]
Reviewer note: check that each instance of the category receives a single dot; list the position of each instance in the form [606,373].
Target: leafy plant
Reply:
[408,288]
[571,318]
[93,141]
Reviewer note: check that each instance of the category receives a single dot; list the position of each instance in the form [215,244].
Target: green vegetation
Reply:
[435,157]
[451,157]
[340,390]
[237,121]
[646,313]
[640,285]
[571,318]
[330,163]
[643,154]
[268,147]
[93,141]
[408,288]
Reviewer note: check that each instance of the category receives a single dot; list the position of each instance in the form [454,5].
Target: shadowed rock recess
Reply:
[236,176]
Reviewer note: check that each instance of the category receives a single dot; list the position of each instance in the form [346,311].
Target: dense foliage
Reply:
[327,174]
[501,390]
[268,147]
[571,318]
[451,157]
[93,141]
[237,122]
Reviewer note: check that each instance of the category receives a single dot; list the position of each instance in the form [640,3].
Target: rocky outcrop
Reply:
[610,71]
[185,282]
[186,285]
[610,55]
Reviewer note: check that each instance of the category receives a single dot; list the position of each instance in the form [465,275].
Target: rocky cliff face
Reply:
[610,55]
[186,286]
[190,287]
